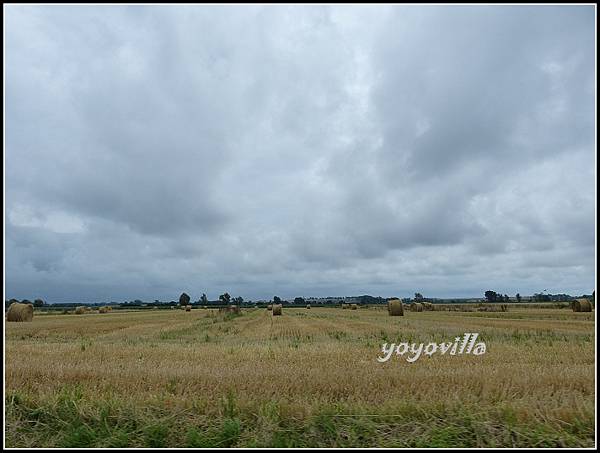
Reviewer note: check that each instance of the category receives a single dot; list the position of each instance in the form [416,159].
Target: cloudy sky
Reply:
[298,151]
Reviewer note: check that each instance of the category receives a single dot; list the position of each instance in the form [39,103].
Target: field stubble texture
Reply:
[308,378]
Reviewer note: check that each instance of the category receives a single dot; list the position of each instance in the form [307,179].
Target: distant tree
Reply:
[276,300]
[7,303]
[299,300]
[418,297]
[518,297]
[506,298]
[491,296]
[137,302]
[238,300]
[25,301]
[225,298]
[184,299]
[38,303]
[204,299]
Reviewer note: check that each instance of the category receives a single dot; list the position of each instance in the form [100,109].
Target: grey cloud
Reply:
[298,150]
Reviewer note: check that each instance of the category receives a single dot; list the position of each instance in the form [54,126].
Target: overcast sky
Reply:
[298,151]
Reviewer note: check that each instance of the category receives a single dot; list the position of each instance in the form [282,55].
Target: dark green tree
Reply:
[491,296]
[38,303]
[238,300]
[184,299]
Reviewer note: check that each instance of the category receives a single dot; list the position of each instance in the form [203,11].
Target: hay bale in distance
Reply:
[344,306]
[582,305]
[416,306]
[80,310]
[18,312]
[277,308]
[234,309]
[308,306]
[270,307]
[354,307]
[395,307]
[188,308]
[103,310]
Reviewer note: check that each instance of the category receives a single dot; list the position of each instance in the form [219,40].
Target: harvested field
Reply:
[307,379]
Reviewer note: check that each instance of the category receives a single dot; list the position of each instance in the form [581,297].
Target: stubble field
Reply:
[309,378]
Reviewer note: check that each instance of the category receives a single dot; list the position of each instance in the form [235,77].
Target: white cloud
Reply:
[298,150]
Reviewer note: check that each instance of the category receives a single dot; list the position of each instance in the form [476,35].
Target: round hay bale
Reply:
[103,310]
[277,308]
[344,306]
[354,307]
[308,306]
[108,308]
[18,312]
[270,307]
[234,309]
[395,307]
[80,310]
[188,308]
[416,306]
[580,305]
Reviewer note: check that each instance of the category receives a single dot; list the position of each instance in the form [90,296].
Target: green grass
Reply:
[70,421]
